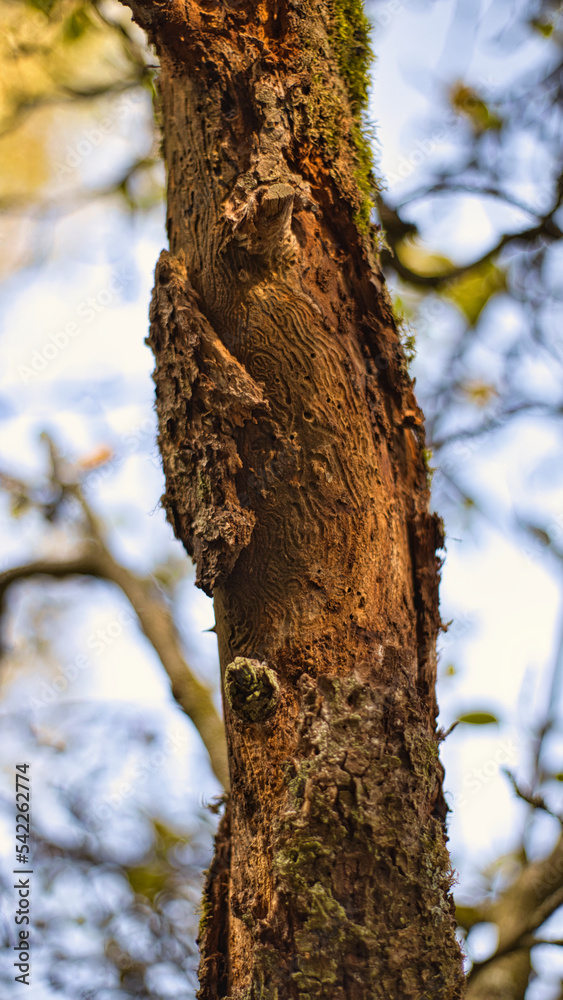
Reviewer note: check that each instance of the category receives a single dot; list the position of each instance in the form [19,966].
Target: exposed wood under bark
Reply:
[294,457]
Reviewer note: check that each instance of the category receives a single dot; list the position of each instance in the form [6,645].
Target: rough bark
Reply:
[294,457]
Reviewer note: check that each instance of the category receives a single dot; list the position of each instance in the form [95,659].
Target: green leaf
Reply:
[76,25]
[467,101]
[558,776]
[545,28]
[147,880]
[19,505]
[474,289]
[478,719]
[467,916]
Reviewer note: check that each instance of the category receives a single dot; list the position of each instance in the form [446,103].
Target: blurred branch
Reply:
[66,97]
[546,228]
[533,799]
[497,421]
[25,205]
[157,624]
[455,187]
[522,908]
[95,560]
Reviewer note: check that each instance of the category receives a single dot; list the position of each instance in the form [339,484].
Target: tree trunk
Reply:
[294,457]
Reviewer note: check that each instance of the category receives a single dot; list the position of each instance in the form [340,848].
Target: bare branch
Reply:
[156,622]
[533,799]
[532,898]
[454,187]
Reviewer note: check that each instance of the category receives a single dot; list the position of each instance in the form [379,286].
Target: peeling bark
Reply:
[198,445]
[293,450]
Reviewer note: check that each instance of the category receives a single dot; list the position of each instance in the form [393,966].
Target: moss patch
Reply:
[332,106]
[351,36]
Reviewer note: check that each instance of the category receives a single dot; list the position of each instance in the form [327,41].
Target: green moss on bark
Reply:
[351,32]
[351,38]
[335,104]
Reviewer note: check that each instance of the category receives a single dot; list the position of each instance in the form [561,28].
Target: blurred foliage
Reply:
[489,340]
[116,886]
[467,101]
[77,85]
[474,289]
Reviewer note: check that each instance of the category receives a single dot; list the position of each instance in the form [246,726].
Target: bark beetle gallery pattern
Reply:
[293,450]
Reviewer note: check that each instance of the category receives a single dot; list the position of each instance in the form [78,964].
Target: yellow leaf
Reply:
[545,28]
[480,393]
[23,160]
[467,101]
[99,457]
[475,288]
[423,261]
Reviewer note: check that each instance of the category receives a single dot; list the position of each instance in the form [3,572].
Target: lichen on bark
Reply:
[352,790]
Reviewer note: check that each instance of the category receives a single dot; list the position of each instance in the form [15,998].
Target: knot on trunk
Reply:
[252,689]
[262,223]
